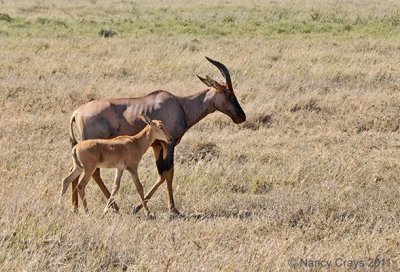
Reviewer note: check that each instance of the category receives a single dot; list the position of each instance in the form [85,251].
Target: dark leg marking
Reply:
[160,163]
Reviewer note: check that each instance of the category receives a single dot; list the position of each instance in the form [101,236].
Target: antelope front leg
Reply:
[106,193]
[169,168]
[139,188]
[153,189]
[171,203]
[159,156]
[117,182]
[167,175]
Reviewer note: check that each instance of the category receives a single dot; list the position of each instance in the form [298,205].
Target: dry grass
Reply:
[313,173]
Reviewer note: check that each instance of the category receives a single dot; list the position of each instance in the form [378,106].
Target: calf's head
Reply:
[157,128]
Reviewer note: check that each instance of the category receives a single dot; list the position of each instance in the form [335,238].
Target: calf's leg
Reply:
[106,193]
[83,181]
[117,182]
[139,188]
[72,176]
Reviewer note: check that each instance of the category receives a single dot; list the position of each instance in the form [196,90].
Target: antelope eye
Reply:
[229,93]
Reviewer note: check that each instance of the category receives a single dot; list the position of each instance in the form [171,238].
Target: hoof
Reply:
[114,207]
[174,211]
[151,216]
[136,209]
[173,215]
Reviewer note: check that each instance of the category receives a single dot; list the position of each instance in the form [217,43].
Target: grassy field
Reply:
[313,174]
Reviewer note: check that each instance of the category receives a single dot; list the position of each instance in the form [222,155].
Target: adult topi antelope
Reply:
[108,118]
[122,153]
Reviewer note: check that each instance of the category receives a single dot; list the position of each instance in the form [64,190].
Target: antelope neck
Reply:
[144,139]
[197,106]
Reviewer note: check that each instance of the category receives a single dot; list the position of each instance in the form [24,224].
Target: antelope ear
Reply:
[213,83]
[145,119]
[204,80]
[210,82]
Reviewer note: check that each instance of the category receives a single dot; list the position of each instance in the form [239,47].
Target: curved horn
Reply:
[224,71]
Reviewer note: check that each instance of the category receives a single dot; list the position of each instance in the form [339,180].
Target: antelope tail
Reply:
[71,132]
[76,159]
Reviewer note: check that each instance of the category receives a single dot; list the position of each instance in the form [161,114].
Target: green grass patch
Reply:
[233,21]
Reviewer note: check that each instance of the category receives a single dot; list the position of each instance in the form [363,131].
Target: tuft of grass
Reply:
[5,17]
[107,33]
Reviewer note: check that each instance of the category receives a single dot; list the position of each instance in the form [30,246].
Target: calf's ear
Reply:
[145,119]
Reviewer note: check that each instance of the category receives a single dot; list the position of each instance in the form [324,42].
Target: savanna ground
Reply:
[312,174]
